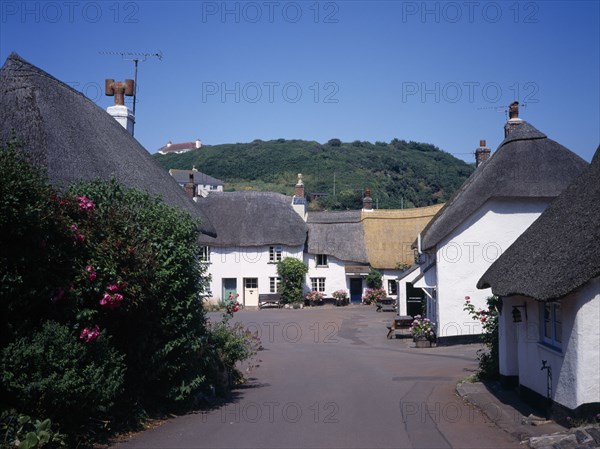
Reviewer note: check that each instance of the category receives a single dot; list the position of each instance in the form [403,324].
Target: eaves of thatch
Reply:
[526,165]
[337,234]
[252,219]
[73,139]
[560,251]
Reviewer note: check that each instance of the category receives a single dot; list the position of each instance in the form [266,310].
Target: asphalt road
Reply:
[329,378]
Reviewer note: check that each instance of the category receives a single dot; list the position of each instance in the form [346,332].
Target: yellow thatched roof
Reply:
[389,234]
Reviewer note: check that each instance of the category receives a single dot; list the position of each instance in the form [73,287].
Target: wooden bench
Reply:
[386,305]
[269,299]
[400,323]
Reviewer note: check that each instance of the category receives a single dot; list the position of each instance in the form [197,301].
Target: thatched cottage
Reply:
[498,202]
[73,139]
[549,282]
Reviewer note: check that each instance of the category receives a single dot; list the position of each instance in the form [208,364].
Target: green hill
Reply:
[400,174]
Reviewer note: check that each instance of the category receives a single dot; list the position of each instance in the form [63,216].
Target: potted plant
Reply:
[315,297]
[423,332]
[341,297]
[372,295]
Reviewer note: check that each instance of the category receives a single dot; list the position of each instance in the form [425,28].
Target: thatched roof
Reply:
[73,139]
[338,234]
[560,251]
[389,234]
[526,164]
[250,219]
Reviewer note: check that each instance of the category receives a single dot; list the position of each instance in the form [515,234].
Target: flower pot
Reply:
[422,343]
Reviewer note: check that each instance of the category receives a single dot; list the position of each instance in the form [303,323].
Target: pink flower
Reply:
[113,288]
[85,203]
[92,273]
[89,335]
[74,228]
[111,302]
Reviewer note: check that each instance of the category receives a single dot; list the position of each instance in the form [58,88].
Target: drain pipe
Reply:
[548,369]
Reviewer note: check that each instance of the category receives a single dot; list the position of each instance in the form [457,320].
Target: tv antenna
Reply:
[135,57]
[501,108]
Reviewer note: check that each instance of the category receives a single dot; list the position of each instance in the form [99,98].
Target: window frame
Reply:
[275,254]
[205,254]
[394,291]
[323,258]
[554,339]
[274,283]
[318,284]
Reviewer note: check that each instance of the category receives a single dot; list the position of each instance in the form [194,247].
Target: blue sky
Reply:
[436,72]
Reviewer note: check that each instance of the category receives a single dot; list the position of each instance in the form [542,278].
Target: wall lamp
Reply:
[516,313]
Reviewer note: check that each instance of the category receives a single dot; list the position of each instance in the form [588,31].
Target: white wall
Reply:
[245,262]
[576,366]
[334,274]
[464,256]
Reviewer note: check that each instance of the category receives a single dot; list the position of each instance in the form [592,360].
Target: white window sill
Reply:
[553,349]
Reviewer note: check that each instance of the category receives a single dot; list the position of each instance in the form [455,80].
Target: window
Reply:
[204,254]
[552,325]
[321,260]
[274,253]
[392,287]
[274,284]
[317,284]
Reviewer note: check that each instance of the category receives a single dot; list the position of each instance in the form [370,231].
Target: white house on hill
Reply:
[178,148]
[498,202]
[549,282]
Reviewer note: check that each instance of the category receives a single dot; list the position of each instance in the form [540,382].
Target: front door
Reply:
[229,287]
[251,292]
[414,300]
[356,288]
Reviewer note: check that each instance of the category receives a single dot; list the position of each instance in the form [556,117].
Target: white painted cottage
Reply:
[549,282]
[255,231]
[498,202]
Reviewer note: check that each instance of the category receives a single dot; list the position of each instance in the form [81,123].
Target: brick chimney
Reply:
[119,111]
[299,189]
[513,118]
[190,187]
[482,153]
[367,200]
[299,199]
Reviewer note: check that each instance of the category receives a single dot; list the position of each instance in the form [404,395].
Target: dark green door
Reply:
[415,298]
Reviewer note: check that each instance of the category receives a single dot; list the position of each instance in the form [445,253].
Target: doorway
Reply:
[229,287]
[415,298]
[251,292]
[356,290]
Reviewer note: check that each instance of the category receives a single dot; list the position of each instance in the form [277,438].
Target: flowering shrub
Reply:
[423,328]
[292,272]
[489,367]
[373,295]
[315,297]
[340,296]
[232,305]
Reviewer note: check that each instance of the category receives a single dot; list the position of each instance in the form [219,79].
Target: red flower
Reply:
[85,203]
[92,273]
[89,335]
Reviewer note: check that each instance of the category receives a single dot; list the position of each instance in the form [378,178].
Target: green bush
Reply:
[374,279]
[52,374]
[292,272]
[22,432]
[489,361]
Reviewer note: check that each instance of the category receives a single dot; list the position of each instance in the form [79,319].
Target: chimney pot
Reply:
[482,154]
[169,143]
[299,189]
[513,110]
[367,200]
[198,143]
